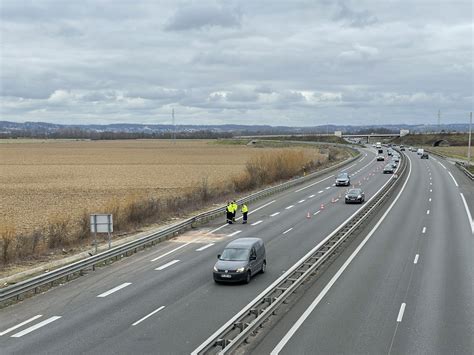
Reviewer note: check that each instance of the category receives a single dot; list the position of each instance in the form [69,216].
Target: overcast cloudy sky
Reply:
[298,63]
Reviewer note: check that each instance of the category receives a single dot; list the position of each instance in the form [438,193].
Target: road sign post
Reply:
[102,223]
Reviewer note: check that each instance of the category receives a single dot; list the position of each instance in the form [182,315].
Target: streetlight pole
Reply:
[469,145]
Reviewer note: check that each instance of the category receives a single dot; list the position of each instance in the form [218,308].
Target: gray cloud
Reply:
[300,62]
[199,16]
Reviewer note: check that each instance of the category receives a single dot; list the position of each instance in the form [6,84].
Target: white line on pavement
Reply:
[424,230]
[301,201]
[320,192]
[441,165]
[326,289]
[314,183]
[205,247]
[315,213]
[429,200]
[327,188]
[255,223]
[468,213]
[287,230]
[215,230]
[290,206]
[162,267]
[147,316]
[427,211]
[431,190]
[400,313]
[232,234]
[171,251]
[431,183]
[274,214]
[452,177]
[259,208]
[311,196]
[115,289]
[36,326]
[20,325]
[416,259]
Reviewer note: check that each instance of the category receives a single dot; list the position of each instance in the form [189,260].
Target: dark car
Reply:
[355,196]
[402,148]
[241,259]
[343,179]
[424,156]
[388,169]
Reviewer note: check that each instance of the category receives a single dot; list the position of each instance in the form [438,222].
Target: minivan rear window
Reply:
[234,254]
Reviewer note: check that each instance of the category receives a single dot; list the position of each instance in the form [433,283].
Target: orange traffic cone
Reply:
[308,215]
[322,206]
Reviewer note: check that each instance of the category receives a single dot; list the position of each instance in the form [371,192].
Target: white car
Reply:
[380,158]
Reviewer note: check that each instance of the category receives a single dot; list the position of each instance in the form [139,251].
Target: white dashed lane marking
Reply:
[115,289]
[162,267]
[274,214]
[20,324]
[288,230]
[205,247]
[232,234]
[35,327]
[256,223]
[291,206]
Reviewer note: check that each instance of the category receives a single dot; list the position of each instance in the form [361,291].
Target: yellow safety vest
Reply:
[245,208]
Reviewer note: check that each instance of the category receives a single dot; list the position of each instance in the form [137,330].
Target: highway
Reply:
[163,299]
[409,290]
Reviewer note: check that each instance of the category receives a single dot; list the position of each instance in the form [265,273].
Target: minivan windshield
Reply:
[342,176]
[234,254]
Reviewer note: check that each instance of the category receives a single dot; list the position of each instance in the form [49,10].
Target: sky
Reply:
[292,63]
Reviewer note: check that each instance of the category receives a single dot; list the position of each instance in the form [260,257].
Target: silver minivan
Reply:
[240,260]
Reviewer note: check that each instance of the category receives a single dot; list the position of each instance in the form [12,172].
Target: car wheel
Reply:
[264,267]
[249,276]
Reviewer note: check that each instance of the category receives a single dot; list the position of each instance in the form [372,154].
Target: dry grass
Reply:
[454,152]
[49,189]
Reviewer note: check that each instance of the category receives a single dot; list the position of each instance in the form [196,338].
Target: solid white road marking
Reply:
[301,201]
[162,267]
[274,214]
[314,183]
[171,251]
[416,259]
[427,211]
[20,325]
[291,206]
[287,230]
[115,289]
[311,196]
[452,177]
[36,326]
[429,200]
[147,316]
[255,223]
[232,234]
[424,230]
[468,213]
[441,165]
[400,313]
[205,247]
[320,192]
[259,208]
[326,289]
[327,188]
[315,213]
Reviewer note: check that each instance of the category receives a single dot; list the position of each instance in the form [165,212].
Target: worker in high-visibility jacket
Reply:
[229,212]
[245,211]
[235,207]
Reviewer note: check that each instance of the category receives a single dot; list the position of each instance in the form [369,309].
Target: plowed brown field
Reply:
[42,179]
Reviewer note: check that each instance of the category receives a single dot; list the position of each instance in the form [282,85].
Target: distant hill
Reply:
[132,130]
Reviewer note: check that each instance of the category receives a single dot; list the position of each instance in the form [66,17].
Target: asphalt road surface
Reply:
[409,290]
[164,300]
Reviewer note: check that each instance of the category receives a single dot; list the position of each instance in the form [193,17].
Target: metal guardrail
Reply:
[465,170]
[228,339]
[65,272]
[458,164]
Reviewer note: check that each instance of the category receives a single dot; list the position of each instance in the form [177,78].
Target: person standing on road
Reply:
[245,211]
[229,212]
[235,207]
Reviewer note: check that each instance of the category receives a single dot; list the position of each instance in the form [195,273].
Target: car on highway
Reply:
[402,148]
[388,169]
[343,179]
[396,158]
[241,259]
[380,157]
[411,149]
[420,151]
[390,152]
[394,164]
[424,156]
[354,196]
